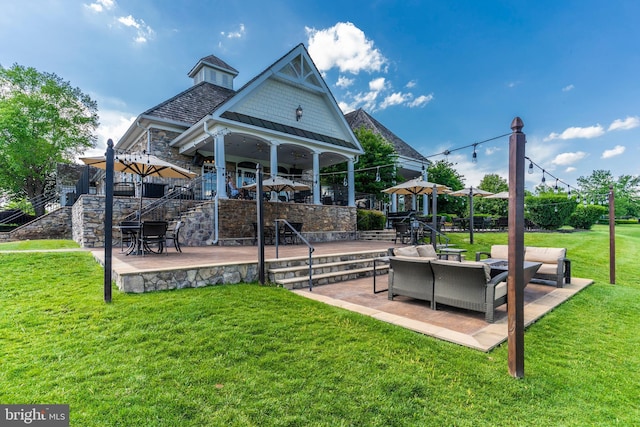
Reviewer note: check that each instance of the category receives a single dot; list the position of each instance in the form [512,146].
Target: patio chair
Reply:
[173,236]
[152,233]
[468,285]
[403,230]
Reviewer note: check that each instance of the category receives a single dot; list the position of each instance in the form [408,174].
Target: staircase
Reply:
[388,235]
[293,273]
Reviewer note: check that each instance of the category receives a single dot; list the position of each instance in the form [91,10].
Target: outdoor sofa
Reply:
[555,268]
[417,272]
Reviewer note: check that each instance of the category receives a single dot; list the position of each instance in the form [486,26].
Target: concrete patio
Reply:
[447,323]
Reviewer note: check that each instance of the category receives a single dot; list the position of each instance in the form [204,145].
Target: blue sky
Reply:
[440,74]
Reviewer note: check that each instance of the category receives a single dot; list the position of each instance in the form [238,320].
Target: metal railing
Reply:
[302,239]
[155,208]
[47,202]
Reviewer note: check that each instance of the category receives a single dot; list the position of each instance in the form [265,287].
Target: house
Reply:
[284,119]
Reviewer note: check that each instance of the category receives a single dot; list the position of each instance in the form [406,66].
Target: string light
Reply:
[543,178]
[378,173]
[474,157]
[530,167]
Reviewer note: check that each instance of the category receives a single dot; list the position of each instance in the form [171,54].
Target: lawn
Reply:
[250,355]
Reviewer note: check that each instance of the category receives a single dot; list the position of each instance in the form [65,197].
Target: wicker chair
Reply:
[468,285]
[411,277]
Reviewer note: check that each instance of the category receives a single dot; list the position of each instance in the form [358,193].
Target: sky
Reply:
[441,75]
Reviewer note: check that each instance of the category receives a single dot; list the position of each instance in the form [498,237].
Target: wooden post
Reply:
[108,221]
[515,281]
[260,223]
[612,236]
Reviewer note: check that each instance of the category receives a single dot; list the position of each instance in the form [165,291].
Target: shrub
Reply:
[585,216]
[549,211]
[370,220]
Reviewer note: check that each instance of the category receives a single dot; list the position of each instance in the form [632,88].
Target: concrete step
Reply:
[386,235]
[293,273]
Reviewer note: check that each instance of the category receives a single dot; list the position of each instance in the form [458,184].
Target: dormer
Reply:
[213,70]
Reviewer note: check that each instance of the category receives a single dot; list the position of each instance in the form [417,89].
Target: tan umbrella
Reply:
[279,184]
[416,187]
[500,195]
[471,192]
[142,165]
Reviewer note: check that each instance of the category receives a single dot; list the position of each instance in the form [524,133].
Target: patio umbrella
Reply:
[418,186]
[471,192]
[500,195]
[143,165]
[279,184]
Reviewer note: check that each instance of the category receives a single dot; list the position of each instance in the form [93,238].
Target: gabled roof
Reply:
[192,104]
[360,118]
[215,62]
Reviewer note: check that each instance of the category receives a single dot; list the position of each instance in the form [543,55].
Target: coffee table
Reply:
[501,265]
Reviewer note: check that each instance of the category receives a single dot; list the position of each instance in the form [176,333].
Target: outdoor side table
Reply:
[384,259]
[456,253]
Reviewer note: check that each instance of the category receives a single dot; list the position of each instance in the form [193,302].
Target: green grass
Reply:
[249,355]
[38,245]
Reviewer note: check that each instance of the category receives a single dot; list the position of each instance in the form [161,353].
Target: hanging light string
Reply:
[576,191]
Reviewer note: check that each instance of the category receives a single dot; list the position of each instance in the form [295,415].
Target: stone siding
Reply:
[54,225]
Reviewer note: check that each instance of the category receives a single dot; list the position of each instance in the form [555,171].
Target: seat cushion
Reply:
[410,251]
[544,255]
[500,251]
[426,251]
[501,290]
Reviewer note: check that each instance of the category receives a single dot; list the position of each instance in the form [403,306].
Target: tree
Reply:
[376,161]
[595,189]
[442,172]
[43,121]
[493,183]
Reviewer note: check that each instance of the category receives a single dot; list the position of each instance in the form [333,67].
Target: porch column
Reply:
[394,203]
[221,170]
[425,197]
[273,164]
[351,201]
[316,178]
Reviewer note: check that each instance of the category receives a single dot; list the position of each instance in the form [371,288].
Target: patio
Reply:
[462,327]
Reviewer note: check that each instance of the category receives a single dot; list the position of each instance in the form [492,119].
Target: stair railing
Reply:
[302,239]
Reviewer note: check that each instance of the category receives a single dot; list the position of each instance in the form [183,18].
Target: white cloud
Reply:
[615,151]
[344,46]
[235,34]
[101,5]
[570,169]
[128,21]
[395,99]
[577,132]
[421,100]
[626,124]
[568,158]
[344,82]
[377,84]
[568,88]
[411,84]
[367,100]
[144,32]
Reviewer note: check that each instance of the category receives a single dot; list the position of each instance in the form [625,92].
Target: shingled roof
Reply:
[192,104]
[360,118]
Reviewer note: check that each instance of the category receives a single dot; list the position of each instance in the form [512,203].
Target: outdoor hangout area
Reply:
[316,346]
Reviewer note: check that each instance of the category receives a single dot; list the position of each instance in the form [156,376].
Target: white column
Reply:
[351,201]
[425,197]
[273,159]
[221,170]
[316,178]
